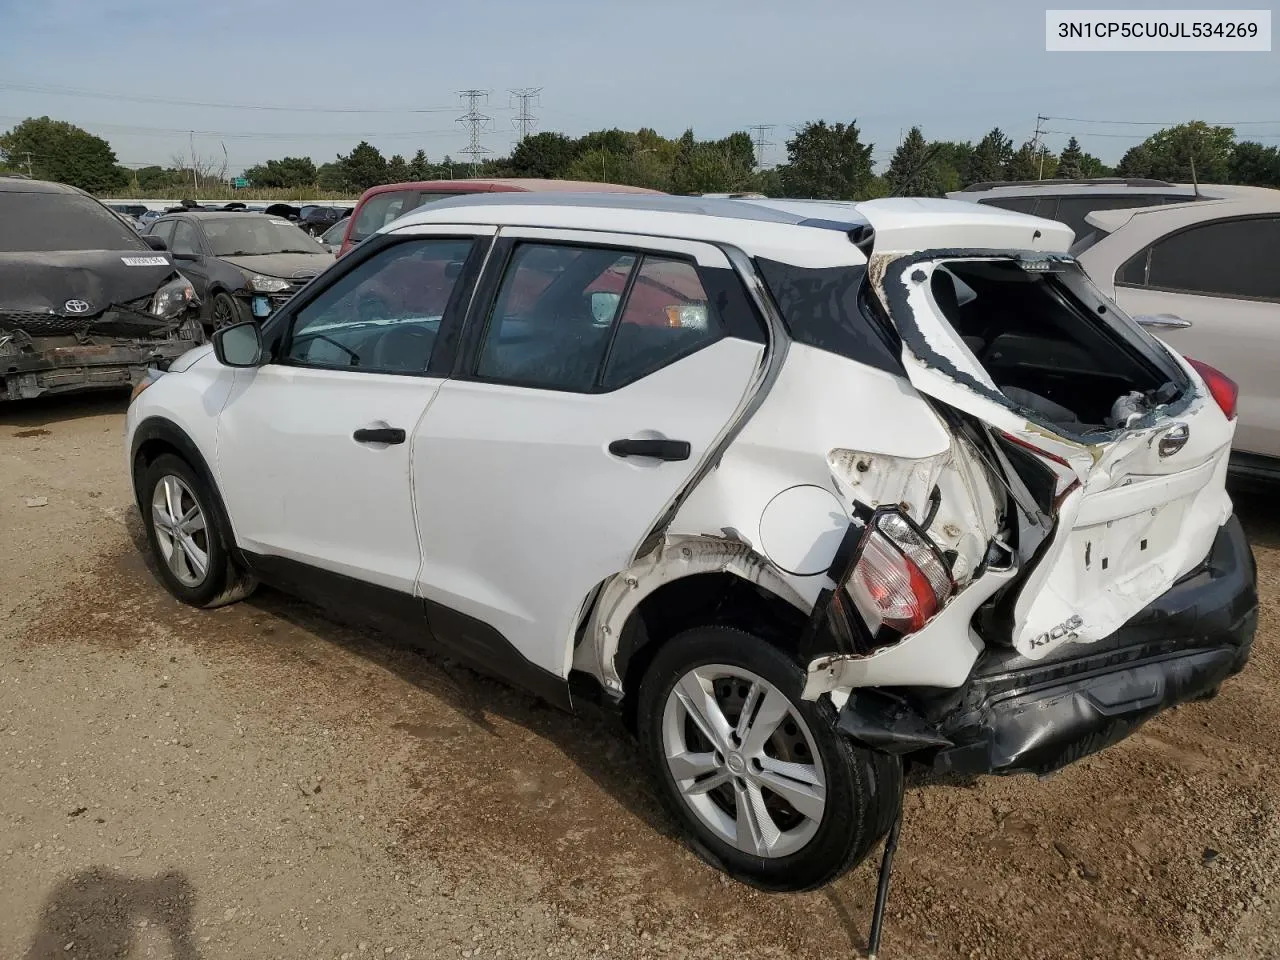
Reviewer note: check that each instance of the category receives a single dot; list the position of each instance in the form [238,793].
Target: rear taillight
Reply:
[899,581]
[1223,389]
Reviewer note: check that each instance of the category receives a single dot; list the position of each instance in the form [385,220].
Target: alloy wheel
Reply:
[181,531]
[744,760]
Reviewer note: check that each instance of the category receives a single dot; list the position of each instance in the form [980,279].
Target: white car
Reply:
[733,467]
[1205,276]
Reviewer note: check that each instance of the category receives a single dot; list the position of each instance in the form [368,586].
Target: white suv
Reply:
[807,490]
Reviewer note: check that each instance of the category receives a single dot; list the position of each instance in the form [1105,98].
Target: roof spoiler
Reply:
[864,238]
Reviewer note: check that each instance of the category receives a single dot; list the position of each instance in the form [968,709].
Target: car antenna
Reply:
[882,881]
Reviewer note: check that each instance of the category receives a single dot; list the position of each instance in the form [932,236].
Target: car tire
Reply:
[195,561]
[860,790]
[225,311]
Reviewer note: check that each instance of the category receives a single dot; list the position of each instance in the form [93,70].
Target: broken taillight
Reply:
[1221,387]
[899,581]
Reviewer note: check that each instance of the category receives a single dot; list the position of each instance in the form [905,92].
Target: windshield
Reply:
[334,234]
[248,235]
[46,222]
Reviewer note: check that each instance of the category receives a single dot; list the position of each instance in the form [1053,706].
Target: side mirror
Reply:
[239,345]
[604,305]
[155,243]
[184,256]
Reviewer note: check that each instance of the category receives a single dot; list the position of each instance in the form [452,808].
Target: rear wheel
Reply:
[769,790]
[188,540]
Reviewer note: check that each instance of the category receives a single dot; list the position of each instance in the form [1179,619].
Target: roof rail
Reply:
[1083,181]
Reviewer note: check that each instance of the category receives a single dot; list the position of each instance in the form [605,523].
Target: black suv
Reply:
[85,302]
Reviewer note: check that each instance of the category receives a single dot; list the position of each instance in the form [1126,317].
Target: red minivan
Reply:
[379,205]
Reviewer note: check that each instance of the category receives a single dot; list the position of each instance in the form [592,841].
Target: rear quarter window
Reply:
[831,309]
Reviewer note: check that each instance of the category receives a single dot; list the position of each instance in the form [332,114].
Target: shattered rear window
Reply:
[825,307]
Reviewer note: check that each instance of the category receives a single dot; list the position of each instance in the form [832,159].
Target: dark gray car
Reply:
[243,265]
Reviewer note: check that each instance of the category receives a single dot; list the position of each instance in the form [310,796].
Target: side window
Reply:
[552,318]
[383,316]
[164,230]
[667,316]
[1229,258]
[184,239]
[380,210]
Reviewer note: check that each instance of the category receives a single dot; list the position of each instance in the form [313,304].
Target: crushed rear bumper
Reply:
[1018,715]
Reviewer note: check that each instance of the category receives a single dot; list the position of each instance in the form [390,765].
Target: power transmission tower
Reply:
[761,130]
[524,121]
[476,123]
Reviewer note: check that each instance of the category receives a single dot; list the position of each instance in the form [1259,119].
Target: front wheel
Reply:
[225,311]
[769,790]
[187,538]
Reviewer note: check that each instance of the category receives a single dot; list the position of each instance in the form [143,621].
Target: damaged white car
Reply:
[807,490]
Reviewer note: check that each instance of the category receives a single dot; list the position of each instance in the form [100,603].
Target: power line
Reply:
[476,123]
[524,121]
[761,130]
[21,87]
[258,135]
[1160,123]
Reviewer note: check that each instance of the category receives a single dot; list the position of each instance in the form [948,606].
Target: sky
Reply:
[270,78]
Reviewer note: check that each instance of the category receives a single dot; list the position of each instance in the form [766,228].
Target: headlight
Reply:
[263,284]
[173,298]
[148,378]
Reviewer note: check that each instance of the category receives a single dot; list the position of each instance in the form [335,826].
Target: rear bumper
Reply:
[1018,715]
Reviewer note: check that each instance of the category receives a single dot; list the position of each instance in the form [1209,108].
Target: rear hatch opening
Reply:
[1047,341]
[1112,453]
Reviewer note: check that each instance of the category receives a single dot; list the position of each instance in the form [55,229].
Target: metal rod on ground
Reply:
[882,885]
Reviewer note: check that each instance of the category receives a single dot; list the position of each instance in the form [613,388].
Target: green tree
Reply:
[397,170]
[333,176]
[1071,161]
[546,155]
[827,162]
[1253,164]
[1091,166]
[1175,153]
[989,158]
[710,168]
[365,166]
[740,148]
[57,150]
[614,141]
[287,172]
[951,161]
[420,167]
[912,172]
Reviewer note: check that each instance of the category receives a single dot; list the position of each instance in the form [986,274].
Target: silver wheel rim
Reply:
[180,530]
[743,760]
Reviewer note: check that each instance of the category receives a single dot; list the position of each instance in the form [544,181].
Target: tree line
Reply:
[824,160]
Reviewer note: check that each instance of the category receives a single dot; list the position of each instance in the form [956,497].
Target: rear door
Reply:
[1130,511]
[599,371]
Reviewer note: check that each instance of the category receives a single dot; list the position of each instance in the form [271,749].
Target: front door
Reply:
[601,374]
[315,448]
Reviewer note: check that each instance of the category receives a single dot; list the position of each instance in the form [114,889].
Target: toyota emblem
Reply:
[76,306]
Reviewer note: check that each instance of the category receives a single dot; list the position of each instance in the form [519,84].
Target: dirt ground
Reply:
[257,782]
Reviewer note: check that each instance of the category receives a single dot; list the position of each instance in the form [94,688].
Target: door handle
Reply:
[1162,321]
[657,449]
[379,435]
